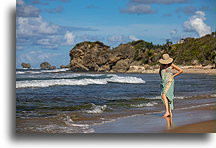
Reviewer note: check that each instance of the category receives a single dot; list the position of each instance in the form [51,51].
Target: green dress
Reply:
[167,85]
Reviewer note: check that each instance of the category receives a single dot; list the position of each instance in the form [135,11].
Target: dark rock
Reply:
[89,56]
[46,65]
[52,67]
[122,66]
[25,65]
[65,66]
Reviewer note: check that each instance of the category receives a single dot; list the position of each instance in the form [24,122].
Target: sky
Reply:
[46,30]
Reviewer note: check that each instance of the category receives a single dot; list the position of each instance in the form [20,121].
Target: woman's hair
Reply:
[166,64]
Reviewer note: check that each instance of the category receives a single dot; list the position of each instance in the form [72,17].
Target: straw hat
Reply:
[166,59]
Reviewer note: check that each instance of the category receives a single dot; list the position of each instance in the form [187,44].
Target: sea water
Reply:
[51,93]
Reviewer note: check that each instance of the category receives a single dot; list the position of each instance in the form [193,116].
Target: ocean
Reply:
[62,101]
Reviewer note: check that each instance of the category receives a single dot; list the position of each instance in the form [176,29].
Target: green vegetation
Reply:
[192,51]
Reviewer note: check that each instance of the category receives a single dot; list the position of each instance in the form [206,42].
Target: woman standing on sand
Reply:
[167,82]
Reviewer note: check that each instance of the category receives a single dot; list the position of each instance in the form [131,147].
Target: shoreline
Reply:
[185,116]
[183,121]
[155,69]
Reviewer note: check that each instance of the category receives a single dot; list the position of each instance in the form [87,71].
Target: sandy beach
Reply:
[193,120]
[199,69]
[208,126]
[201,127]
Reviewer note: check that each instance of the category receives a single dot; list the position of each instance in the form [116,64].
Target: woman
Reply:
[167,82]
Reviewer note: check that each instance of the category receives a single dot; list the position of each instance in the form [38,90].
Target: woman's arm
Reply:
[178,69]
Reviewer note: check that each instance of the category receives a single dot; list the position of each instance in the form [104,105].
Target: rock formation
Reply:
[90,56]
[65,66]
[25,65]
[140,56]
[46,65]
[95,56]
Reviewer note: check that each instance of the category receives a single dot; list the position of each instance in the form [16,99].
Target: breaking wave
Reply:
[78,80]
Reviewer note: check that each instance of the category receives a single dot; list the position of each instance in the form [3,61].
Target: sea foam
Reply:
[84,81]
[39,71]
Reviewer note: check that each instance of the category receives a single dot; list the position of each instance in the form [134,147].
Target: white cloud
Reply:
[44,41]
[138,9]
[23,10]
[160,1]
[196,24]
[32,26]
[133,38]
[70,37]
[116,38]
[173,32]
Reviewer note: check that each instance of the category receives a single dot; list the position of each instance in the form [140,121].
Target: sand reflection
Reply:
[168,122]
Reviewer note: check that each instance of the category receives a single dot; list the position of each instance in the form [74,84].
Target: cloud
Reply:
[187,10]
[159,1]
[116,38]
[32,26]
[196,24]
[138,9]
[75,28]
[70,37]
[23,10]
[91,37]
[65,1]
[20,2]
[133,38]
[167,15]
[58,9]
[174,36]
[173,32]
[39,2]
[50,42]
[144,6]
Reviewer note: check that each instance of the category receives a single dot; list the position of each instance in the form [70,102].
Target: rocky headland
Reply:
[194,55]
[141,56]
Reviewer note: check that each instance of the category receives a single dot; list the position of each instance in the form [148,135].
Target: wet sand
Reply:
[193,120]
[201,127]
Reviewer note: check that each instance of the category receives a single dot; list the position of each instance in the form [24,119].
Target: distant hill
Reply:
[95,56]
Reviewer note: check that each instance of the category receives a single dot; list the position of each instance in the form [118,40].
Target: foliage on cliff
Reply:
[202,50]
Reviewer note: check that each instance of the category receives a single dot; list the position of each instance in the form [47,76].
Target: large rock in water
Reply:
[95,56]
[89,56]
[46,65]
[25,65]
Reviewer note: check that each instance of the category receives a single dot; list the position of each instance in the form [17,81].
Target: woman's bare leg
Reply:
[167,108]
[166,102]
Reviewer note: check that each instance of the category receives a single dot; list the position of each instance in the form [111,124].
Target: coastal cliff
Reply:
[141,56]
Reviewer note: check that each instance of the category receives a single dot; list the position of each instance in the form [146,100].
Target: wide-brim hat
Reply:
[166,59]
